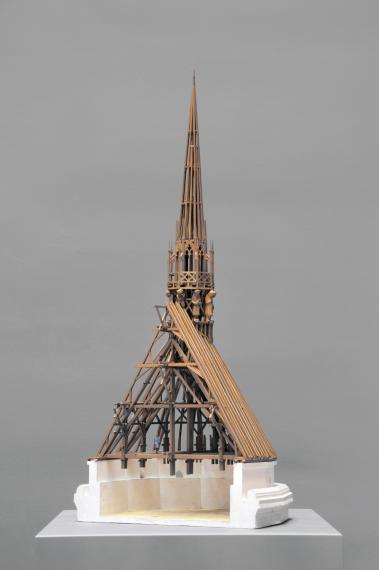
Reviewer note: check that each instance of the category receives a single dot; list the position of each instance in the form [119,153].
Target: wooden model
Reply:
[184,446]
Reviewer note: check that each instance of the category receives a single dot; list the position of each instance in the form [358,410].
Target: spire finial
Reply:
[191,218]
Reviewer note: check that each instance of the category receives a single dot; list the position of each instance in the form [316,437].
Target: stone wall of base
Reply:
[112,489]
[246,489]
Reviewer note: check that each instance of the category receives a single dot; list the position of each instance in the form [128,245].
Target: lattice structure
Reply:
[183,402]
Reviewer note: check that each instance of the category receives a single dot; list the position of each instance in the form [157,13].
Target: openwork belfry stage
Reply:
[184,446]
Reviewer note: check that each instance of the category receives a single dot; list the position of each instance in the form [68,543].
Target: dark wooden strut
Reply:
[172,424]
[153,400]
[179,403]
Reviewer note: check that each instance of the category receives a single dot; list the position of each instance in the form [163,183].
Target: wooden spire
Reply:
[191,221]
[190,264]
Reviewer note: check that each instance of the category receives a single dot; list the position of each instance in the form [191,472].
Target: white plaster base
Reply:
[255,500]
[242,496]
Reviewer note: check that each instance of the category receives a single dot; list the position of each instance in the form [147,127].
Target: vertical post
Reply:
[215,438]
[221,450]
[172,425]
[142,462]
[199,437]
[180,432]
[190,424]
[124,461]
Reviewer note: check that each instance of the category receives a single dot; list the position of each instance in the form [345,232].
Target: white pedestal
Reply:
[304,542]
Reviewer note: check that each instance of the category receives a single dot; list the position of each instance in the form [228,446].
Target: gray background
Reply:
[93,109]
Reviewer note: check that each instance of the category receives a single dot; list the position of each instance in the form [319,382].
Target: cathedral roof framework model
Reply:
[184,446]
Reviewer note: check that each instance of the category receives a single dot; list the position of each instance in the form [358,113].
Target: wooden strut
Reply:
[165,364]
[183,402]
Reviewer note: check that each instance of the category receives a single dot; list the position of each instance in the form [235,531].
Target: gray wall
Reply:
[93,110]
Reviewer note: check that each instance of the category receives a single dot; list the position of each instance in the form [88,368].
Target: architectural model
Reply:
[184,446]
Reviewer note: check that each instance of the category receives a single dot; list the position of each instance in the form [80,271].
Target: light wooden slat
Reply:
[233,408]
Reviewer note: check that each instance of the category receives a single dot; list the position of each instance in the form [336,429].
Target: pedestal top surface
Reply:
[302,522]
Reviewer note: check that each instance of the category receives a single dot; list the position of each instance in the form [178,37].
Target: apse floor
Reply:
[218,517]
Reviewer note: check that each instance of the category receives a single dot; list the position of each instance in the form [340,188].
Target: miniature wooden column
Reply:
[190,426]
[172,424]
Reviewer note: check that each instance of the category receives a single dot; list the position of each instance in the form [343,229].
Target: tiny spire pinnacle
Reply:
[191,219]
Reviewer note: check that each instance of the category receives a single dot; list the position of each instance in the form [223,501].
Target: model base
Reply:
[244,495]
